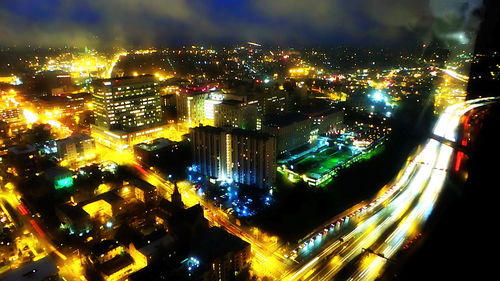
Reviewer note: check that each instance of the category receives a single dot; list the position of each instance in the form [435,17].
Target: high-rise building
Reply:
[272,101]
[209,151]
[198,107]
[246,157]
[237,114]
[252,158]
[127,103]
[127,110]
[191,107]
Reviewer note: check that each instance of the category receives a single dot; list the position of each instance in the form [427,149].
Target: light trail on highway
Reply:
[403,213]
[416,218]
[374,224]
[456,75]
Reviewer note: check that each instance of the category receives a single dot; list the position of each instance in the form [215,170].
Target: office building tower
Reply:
[191,107]
[127,110]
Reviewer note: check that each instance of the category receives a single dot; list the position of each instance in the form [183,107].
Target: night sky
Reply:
[285,22]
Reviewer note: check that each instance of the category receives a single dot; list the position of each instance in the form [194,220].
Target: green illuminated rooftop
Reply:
[322,162]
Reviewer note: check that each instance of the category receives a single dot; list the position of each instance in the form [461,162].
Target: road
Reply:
[268,258]
[31,240]
[454,74]
[385,230]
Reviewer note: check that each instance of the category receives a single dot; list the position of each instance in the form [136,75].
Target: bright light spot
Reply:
[30,116]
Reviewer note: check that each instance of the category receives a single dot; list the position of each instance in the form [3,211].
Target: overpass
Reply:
[450,143]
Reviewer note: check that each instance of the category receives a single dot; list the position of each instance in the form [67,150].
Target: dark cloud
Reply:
[148,22]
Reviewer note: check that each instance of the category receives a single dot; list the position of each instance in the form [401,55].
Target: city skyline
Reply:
[247,140]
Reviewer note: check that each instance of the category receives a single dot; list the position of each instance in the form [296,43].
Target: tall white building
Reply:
[243,156]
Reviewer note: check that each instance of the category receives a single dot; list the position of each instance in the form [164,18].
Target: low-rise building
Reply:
[76,148]
[142,190]
[105,205]
[43,269]
[221,255]
[23,158]
[60,177]
[151,153]
[74,218]
[113,261]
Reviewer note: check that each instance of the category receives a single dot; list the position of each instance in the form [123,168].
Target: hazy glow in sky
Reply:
[302,22]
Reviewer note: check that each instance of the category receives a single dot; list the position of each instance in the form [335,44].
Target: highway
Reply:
[408,203]
[454,74]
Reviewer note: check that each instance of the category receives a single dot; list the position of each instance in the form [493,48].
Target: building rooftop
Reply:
[22,149]
[56,172]
[111,197]
[283,120]
[103,247]
[315,112]
[210,129]
[34,271]
[255,134]
[152,245]
[118,81]
[166,207]
[73,212]
[76,137]
[175,81]
[141,184]
[115,264]
[232,102]
[156,144]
